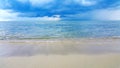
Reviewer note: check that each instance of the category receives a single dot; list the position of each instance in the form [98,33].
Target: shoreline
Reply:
[53,38]
[63,41]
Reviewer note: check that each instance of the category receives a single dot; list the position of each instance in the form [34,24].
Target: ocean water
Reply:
[58,29]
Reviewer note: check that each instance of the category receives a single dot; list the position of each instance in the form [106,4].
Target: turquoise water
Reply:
[59,29]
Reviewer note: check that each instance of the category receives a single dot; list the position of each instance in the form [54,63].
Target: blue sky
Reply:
[59,10]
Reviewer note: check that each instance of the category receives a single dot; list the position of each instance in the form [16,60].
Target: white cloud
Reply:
[38,3]
[87,2]
[44,18]
[106,14]
[4,3]
[53,18]
[82,2]
[112,14]
[48,3]
[23,1]
[9,15]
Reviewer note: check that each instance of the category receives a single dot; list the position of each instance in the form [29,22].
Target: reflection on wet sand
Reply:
[72,53]
[37,47]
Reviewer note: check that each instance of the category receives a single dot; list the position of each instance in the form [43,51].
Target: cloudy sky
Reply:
[59,10]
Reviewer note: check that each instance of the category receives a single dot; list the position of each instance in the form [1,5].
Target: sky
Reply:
[56,10]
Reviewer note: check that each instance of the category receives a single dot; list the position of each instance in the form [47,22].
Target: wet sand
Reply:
[62,53]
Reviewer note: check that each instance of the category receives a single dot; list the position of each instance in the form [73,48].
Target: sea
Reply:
[58,29]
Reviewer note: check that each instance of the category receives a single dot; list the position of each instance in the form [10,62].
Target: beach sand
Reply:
[60,53]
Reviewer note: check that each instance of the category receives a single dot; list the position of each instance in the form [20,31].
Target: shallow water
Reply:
[58,29]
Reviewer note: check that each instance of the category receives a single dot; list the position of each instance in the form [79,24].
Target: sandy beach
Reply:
[62,53]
